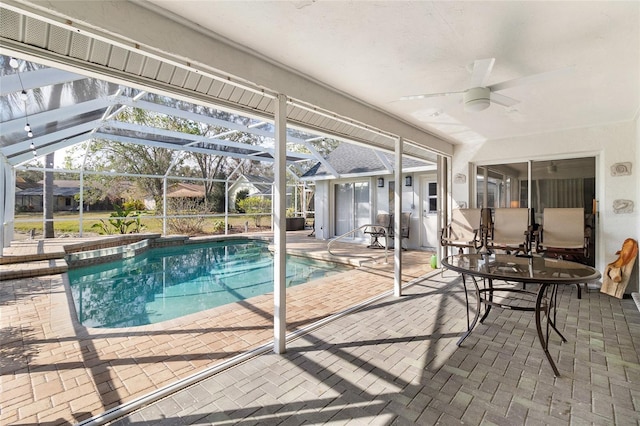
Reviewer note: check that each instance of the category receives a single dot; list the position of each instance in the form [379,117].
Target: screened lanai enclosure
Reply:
[81,150]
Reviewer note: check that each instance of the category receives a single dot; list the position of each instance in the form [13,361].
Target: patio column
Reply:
[226,207]
[444,194]
[164,206]
[5,195]
[81,201]
[279,227]
[397,222]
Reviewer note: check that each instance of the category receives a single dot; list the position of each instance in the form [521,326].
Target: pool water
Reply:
[168,283]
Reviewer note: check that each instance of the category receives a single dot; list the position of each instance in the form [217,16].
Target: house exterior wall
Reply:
[322,214]
[324,199]
[410,199]
[609,144]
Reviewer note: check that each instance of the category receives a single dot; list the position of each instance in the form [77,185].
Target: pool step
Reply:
[34,257]
[34,268]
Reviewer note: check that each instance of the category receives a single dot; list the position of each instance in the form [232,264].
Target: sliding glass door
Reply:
[567,183]
[352,207]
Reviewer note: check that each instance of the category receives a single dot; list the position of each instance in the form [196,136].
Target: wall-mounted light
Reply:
[380,182]
[408,181]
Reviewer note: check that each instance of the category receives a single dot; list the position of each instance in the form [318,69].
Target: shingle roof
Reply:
[185,190]
[353,159]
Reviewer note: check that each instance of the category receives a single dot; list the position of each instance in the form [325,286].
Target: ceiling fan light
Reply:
[477,99]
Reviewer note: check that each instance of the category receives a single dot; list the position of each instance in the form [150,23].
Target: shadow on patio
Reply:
[60,372]
[396,362]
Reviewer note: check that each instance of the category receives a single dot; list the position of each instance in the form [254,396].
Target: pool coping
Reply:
[78,256]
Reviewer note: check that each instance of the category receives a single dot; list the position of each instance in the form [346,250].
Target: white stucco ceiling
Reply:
[380,51]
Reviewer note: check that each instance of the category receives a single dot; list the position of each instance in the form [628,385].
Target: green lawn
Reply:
[69,222]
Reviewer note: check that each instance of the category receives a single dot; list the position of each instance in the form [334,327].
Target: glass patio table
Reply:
[547,273]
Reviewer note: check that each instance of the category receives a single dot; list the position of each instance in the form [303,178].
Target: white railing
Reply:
[378,229]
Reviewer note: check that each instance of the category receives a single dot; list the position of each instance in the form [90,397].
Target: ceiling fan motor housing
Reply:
[477,99]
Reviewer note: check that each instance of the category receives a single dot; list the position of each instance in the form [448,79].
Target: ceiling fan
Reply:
[478,97]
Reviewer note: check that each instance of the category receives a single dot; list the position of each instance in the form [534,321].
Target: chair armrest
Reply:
[537,238]
[444,236]
[587,239]
[477,240]
[529,237]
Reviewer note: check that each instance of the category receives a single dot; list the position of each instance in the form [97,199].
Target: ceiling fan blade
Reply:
[531,79]
[481,70]
[503,100]
[428,95]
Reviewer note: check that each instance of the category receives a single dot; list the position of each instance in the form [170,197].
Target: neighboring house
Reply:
[185,191]
[64,194]
[354,184]
[259,186]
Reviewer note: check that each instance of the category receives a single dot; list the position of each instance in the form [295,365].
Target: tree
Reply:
[30,176]
[243,194]
[138,159]
[49,98]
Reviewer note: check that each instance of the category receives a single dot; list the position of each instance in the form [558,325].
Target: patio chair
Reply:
[405,221]
[509,230]
[379,229]
[463,230]
[563,235]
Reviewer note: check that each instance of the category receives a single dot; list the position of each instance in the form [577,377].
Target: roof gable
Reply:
[350,159]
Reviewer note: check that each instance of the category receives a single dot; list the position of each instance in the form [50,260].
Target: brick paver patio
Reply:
[396,362]
[392,362]
[56,371]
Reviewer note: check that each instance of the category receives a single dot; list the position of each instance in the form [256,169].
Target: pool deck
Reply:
[392,361]
[56,371]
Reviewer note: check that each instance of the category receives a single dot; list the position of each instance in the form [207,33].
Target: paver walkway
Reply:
[55,371]
[396,362]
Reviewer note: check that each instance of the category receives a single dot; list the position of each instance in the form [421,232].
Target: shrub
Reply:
[256,207]
[193,223]
[134,205]
[123,221]
[218,225]
[243,194]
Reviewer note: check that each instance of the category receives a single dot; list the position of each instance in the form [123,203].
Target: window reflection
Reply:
[503,185]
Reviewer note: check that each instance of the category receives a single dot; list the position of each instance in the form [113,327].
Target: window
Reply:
[433,197]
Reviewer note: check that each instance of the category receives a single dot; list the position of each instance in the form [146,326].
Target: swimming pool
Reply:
[167,283]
